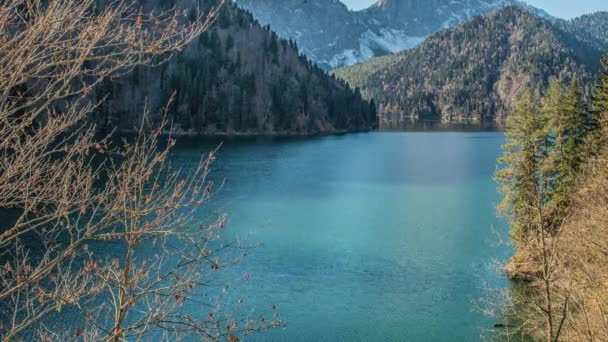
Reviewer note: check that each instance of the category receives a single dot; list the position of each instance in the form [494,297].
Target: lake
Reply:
[363,237]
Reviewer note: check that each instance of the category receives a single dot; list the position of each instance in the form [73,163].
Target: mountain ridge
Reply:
[472,72]
[334,36]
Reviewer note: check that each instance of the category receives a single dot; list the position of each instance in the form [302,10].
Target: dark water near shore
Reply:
[439,126]
[363,237]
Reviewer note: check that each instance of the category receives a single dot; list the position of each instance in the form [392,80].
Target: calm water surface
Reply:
[363,237]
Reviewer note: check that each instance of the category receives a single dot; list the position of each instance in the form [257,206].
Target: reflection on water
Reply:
[408,125]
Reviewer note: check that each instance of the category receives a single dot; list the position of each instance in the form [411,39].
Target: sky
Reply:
[559,8]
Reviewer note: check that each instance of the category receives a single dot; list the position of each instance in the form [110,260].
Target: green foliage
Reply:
[547,142]
[570,126]
[523,156]
[600,95]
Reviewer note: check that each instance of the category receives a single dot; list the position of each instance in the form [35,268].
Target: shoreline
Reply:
[223,134]
[287,134]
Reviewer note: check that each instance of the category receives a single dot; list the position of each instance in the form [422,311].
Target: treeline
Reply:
[590,28]
[555,183]
[239,77]
[473,71]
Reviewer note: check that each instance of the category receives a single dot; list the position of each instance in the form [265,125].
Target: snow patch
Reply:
[370,43]
[390,40]
[345,58]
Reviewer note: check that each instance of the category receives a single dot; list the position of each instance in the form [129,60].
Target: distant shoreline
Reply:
[181,133]
[417,127]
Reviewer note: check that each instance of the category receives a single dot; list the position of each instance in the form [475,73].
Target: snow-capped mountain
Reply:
[333,36]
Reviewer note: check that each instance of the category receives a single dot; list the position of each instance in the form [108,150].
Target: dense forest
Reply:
[238,77]
[590,28]
[471,73]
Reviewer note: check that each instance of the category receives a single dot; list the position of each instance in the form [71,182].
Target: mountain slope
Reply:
[590,28]
[238,77]
[472,72]
[333,36]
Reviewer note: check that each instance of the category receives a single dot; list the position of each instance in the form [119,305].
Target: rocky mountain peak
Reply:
[333,36]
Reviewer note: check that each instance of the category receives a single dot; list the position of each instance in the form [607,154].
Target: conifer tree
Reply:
[523,159]
[600,96]
[572,126]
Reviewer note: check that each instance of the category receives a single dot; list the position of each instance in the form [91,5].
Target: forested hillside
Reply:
[238,77]
[473,72]
[590,28]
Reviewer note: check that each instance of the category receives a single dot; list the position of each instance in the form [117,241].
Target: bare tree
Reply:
[72,192]
[584,251]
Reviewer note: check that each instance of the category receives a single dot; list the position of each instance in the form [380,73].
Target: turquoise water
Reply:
[363,237]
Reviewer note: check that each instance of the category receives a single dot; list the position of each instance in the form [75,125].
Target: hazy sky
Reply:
[558,8]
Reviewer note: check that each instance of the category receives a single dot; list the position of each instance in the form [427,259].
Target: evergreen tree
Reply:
[274,48]
[224,18]
[600,98]
[525,193]
[547,143]
[373,113]
[230,44]
[569,125]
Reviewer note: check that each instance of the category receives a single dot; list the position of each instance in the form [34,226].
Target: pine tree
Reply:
[224,18]
[570,124]
[523,160]
[600,96]
[230,44]
[373,114]
[274,48]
